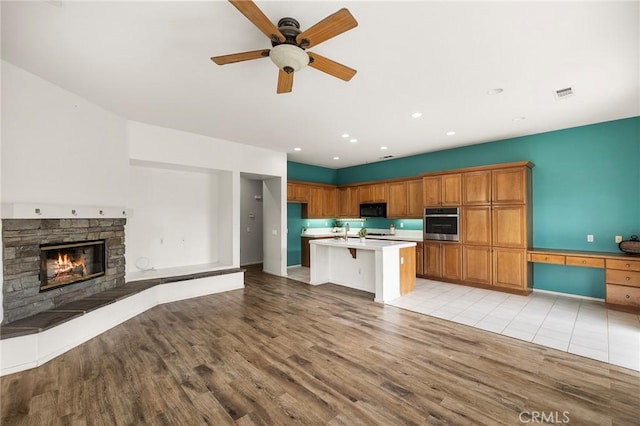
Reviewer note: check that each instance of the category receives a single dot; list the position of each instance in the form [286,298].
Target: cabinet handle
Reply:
[627,296]
[627,278]
[584,261]
[628,265]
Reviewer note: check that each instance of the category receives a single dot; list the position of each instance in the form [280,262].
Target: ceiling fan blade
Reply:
[333,68]
[239,57]
[329,27]
[285,82]
[258,18]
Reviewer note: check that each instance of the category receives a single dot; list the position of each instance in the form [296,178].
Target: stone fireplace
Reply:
[50,262]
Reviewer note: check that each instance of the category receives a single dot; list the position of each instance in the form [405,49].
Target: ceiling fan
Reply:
[289,44]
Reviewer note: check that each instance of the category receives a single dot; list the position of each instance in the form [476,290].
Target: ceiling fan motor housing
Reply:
[287,55]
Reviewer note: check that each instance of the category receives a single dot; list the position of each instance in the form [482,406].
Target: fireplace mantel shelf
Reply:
[62,211]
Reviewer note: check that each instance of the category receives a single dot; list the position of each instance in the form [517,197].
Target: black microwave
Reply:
[373,210]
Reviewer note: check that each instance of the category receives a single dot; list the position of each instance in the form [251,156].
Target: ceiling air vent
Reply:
[564,93]
[386,157]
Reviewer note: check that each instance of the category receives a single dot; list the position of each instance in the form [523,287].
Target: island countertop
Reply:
[367,244]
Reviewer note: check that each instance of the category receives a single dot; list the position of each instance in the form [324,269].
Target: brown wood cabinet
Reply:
[348,202]
[415,206]
[442,190]
[509,268]
[297,192]
[313,208]
[397,201]
[510,185]
[476,264]
[509,226]
[476,225]
[476,188]
[419,259]
[407,269]
[442,260]
[329,202]
[373,193]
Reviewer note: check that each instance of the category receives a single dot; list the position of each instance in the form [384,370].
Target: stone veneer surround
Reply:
[21,239]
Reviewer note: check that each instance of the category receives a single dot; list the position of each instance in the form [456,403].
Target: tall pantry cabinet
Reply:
[496,222]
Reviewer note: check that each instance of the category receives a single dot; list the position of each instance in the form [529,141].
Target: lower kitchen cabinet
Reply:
[476,261]
[305,252]
[510,268]
[442,260]
[419,259]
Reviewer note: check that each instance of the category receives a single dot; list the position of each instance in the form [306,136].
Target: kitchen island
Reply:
[385,268]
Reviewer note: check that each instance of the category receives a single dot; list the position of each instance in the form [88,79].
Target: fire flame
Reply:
[66,264]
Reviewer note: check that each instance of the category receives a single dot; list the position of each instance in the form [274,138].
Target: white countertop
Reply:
[400,235]
[367,244]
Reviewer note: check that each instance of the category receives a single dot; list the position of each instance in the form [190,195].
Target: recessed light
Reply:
[336,158]
[519,118]
[297,149]
[416,115]
[345,135]
[495,91]
[383,148]
[353,140]
[451,133]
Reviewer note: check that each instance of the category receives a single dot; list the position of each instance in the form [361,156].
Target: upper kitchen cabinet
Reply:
[397,201]
[510,185]
[313,208]
[297,192]
[414,198]
[476,188]
[348,202]
[329,202]
[373,193]
[442,190]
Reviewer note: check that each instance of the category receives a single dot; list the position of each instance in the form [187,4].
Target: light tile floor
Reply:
[578,326]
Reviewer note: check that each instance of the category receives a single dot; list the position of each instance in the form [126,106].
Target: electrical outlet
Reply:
[401,225]
[590,238]
[618,239]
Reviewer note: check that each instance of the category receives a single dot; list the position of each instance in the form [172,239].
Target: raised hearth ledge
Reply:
[62,211]
[76,326]
[175,271]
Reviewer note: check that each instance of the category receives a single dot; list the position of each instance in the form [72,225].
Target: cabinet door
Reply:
[397,205]
[419,259]
[365,193]
[452,261]
[348,203]
[451,189]
[509,186]
[476,264]
[509,226]
[432,260]
[476,225]
[297,192]
[380,192]
[414,198]
[510,268]
[407,270]
[329,202]
[431,186]
[476,188]
[314,206]
[305,251]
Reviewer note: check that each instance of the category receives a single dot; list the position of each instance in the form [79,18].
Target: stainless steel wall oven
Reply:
[442,224]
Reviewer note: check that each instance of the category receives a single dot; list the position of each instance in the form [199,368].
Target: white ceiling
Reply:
[149,62]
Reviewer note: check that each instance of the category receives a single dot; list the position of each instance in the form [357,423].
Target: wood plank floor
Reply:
[283,352]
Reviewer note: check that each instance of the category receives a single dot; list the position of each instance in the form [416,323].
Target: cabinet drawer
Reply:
[615,276]
[626,265]
[547,258]
[623,295]
[591,262]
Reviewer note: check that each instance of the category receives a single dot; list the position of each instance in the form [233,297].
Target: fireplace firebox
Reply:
[69,263]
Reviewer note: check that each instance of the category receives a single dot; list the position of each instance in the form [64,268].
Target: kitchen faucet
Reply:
[346,231]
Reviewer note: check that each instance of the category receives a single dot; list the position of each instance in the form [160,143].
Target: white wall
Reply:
[250,221]
[174,220]
[58,147]
[168,147]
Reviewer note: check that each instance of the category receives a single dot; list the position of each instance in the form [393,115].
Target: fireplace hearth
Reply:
[69,263]
[51,262]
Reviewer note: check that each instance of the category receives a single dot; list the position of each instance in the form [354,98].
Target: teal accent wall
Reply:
[308,173]
[586,180]
[295,224]
[409,224]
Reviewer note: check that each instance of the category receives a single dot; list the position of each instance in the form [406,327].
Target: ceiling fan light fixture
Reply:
[289,58]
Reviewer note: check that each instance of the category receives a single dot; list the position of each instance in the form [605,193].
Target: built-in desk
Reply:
[622,272]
